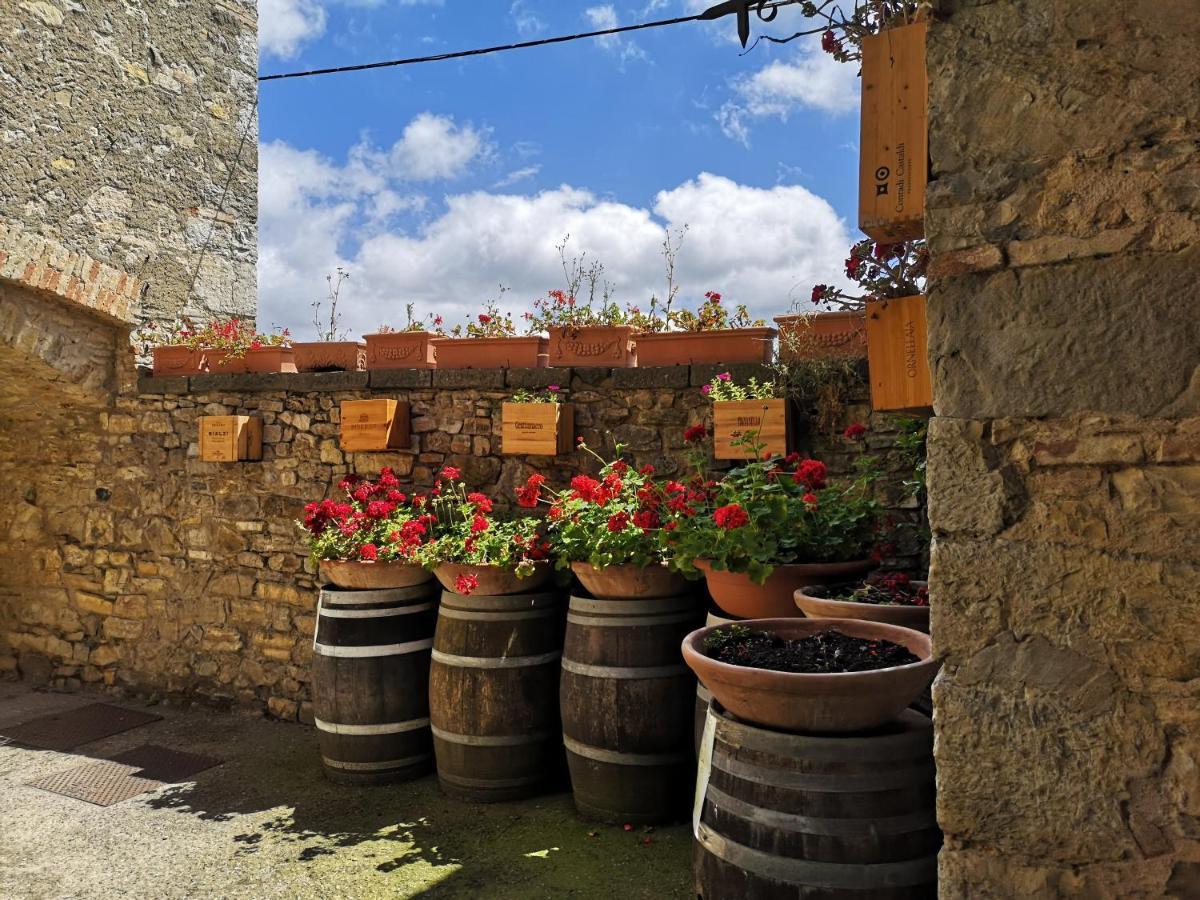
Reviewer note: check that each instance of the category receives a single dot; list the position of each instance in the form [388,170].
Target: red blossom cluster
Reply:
[731,516]
[375,520]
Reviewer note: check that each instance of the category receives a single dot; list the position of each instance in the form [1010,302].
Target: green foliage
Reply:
[550,394]
[723,387]
[720,638]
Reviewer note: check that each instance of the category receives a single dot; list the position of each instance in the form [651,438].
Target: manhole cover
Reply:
[73,727]
[102,783]
[164,764]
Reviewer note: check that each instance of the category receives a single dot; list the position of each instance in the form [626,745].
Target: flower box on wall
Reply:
[593,345]
[491,353]
[266,360]
[230,438]
[894,141]
[401,350]
[374,425]
[726,346]
[178,360]
[732,419]
[330,356]
[898,354]
[822,335]
[536,429]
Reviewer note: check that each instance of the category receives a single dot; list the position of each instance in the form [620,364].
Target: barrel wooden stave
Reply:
[703,697]
[372,711]
[492,690]
[842,818]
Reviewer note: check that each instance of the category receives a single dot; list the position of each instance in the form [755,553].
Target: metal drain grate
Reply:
[164,764]
[73,727]
[102,783]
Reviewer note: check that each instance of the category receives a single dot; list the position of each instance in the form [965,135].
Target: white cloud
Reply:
[527,21]
[283,25]
[434,147]
[604,17]
[517,175]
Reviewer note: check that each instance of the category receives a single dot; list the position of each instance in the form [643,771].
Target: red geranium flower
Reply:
[854,431]
[694,434]
[618,521]
[810,498]
[368,552]
[465,584]
[731,517]
[479,524]
[449,473]
[812,473]
[481,501]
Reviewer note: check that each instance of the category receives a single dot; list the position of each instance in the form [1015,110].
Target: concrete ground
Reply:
[266,824]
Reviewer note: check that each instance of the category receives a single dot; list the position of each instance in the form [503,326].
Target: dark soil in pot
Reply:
[822,653]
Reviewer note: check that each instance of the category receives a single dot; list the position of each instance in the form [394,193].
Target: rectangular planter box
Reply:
[374,425]
[822,335]
[685,348]
[221,363]
[491,353]
[176,360]
[270,359]
[898,354]
[593,346]
[732,419]
[330,356]
[894,140]
[536,429]
[401,350]
[230,438]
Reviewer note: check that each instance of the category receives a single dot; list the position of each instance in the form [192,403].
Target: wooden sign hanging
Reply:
[734,419]
[898,354]
[230,438]
[536,429]
[374,425]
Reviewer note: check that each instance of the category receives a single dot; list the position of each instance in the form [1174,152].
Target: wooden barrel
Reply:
[371,683]
[703,697]
[838,817]
[493,690]
[626,702]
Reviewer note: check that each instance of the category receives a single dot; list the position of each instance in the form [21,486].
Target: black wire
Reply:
[716,12]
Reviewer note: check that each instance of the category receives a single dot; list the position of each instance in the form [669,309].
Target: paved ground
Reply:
[266,824]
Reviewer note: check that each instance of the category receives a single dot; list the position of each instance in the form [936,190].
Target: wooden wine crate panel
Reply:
[894,155]
[231,438]
[537,429]
[733,419]
[374,425]
[898,354]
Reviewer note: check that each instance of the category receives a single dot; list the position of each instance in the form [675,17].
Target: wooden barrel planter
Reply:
[371,683]
[626,701]
[493,687]
[703,697]
[795,816]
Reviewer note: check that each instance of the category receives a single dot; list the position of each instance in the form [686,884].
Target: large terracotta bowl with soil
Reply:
[822,703]
[812,601]
[495,581]
[735,593]
[357,575]
[629,582]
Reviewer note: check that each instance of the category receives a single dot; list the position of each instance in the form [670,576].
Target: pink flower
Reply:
[707,389]
[724,376]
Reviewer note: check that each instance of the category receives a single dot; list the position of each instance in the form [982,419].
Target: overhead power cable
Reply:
[766,10]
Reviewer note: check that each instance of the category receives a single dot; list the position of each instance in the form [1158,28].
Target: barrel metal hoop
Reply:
[837,783]
[614,757]
[915,744]
[621,672]
[470,615]
[374,650]
[831,876]
[702,693]
[462,781]
[328,613]
[494,662]
[797,824]
[490,740]
[628,621]
[381,766]
[659,606]
[339,597]
[380,728]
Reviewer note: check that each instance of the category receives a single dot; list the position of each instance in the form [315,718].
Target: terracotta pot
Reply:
[686,348]
[221,363]
[593,346]
[630,582]
[177,360]
[798,702]
[358,575]
[330,356]
[268,360]
[817,607]
[822,335]
[491,353]
[739,596]
[401,350]
[495,581]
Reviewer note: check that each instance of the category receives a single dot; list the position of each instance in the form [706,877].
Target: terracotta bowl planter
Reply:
[798,702]
[592,346]
[491,353]
[178,360]
[818,607]
[822,335]
[630,582]
[495,581]
[330,356]
[686,348]
[356,575]
[268,360]
[401,350]
[739,596]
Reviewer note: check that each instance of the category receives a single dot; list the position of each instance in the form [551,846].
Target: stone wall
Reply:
[157,573]
[130,139]
[1064,464]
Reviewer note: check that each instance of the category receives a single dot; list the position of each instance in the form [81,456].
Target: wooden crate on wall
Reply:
[898,354]
[537,429]
[230,438]
[894,140]
[374,425]
[733,419]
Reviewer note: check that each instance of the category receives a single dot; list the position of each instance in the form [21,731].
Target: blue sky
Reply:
[434,183]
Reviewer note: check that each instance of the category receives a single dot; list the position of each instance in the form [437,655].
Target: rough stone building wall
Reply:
[141,567]
[122,127]
[1064,471]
